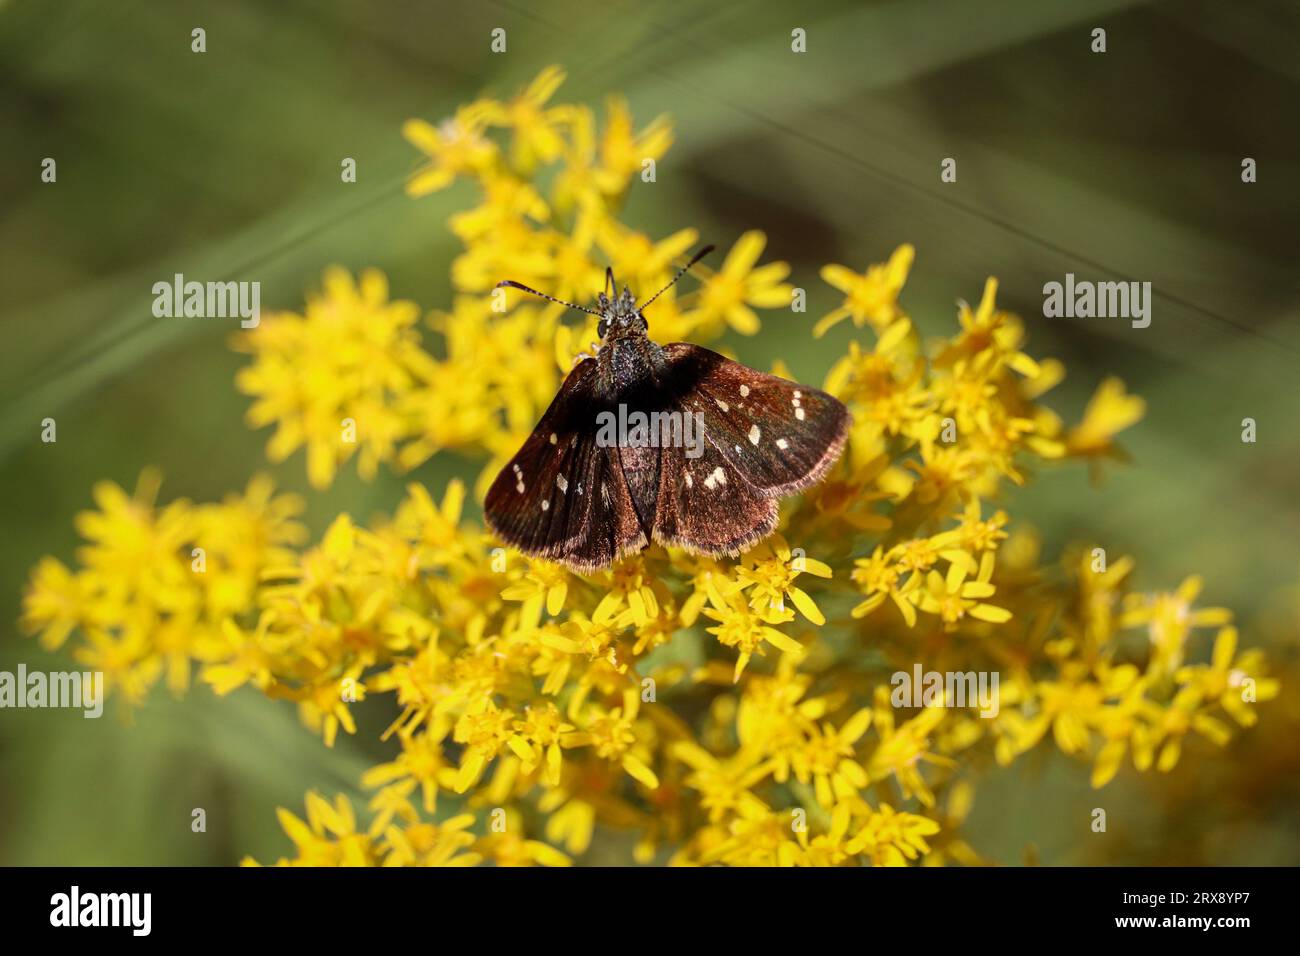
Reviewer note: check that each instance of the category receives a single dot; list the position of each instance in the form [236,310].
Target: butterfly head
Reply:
[619,317]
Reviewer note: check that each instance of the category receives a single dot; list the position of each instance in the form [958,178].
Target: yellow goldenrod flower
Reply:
[623,151]
[127,660]
[723,785]
[456,147]
[757,837]
[989,330]
[430,844]
[902,748]
[1235,681]
[542,585]
[329,836]
[537,130]
[953,597]
[506,201]
[57,601]
[1169,618]
[541,732]
[827,758]
[511,849]
[740,626]
[246,659]
[829,848]
[612,735]
[727,295]
[768,571]
[879,577]
[871,297]
[885,391]
[422,762]
[485,730]
[1171,724]
[891,838]
[1109,412]
[643,265]
[330,379]
[133,548]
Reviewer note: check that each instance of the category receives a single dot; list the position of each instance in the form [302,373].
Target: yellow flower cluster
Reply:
[737,711]
[157,589]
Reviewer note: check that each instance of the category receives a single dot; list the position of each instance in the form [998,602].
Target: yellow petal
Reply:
[782,641]
[987,612]
[806,606]
[841,277]
[744,253]
[825,323]
[428,181]
[639,771]
[743,319]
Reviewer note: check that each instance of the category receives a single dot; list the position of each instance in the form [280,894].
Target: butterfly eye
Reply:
[602,327]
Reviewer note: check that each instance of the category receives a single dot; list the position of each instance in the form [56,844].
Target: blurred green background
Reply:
[226,166]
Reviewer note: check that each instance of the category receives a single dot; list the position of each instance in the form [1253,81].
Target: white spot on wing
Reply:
[723,405]
[562,483]
[754,434]
[744,391]
[546,504]
[555,439]
[799,414]
[782,444]
[690,482]
[717,478]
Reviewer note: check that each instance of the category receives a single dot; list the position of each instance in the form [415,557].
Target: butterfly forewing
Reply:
[536,503]
[780,435]
[563,497]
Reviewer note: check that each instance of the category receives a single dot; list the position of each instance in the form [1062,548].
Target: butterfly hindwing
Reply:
[706,506]
[611,527]
[780,435]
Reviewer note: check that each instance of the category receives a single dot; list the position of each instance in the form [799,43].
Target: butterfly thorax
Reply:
[628,360]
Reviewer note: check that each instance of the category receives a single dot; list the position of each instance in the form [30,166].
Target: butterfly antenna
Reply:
[542,295]
[694,259]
